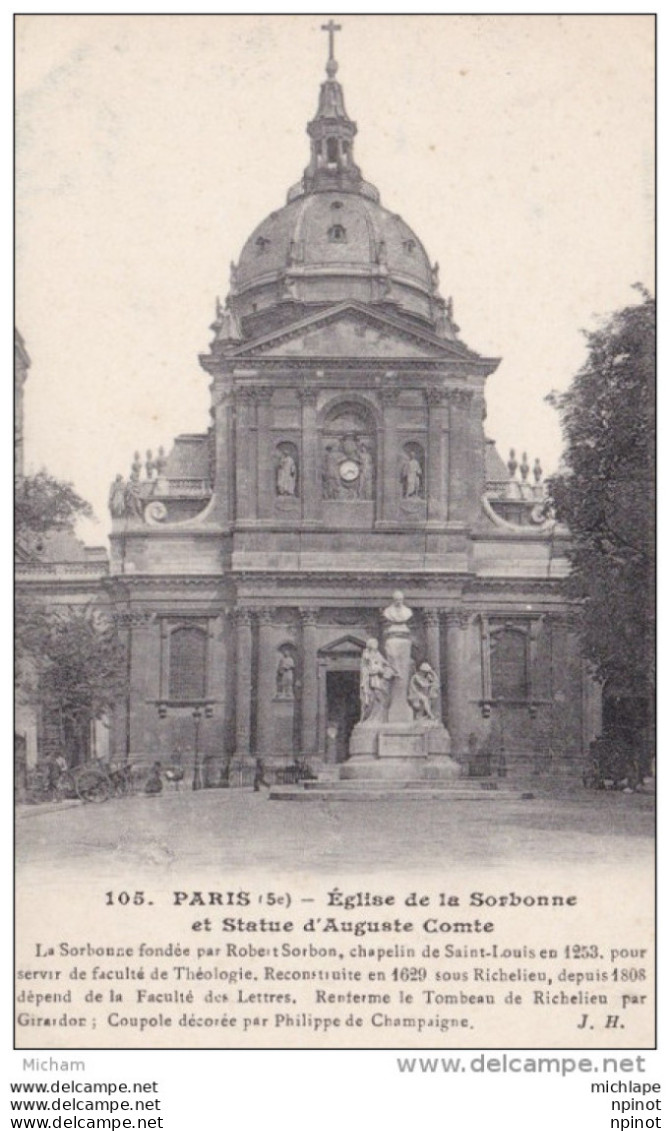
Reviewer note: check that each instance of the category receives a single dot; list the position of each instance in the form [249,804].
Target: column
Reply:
[266,681]
[243,681]
[388,485]
[264,480]
[456,624]
[144,681]
[459,461]
[310,697]
[223,415]
[436,469]
[310,471]
[431,619]
[243,452]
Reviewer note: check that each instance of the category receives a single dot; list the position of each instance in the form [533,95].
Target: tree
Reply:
[79,664]
[43,503]
[69,660]
[604,492]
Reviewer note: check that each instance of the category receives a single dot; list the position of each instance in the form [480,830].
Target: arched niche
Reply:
[286,470]
[412,471]
[348,451]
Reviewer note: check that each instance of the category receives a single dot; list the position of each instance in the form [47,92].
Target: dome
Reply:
[332,245]
[333,241]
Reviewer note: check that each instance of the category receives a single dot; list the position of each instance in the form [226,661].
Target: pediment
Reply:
[344,646]
[350,330]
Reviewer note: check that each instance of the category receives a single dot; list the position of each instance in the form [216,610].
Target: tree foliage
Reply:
[604,492]
[43,504]
[70,660]
[74,660]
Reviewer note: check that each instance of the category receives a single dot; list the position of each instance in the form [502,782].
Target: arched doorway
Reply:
[339,696]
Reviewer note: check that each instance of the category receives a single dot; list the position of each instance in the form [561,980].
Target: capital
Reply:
[456,618]
[461,397]
[388,396]
[242,617]
[308,617]
[436,397]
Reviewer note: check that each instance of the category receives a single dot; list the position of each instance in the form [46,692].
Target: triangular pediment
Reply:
[353,330]
[344,646]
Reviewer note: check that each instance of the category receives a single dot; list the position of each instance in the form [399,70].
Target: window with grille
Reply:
[509,664]
[188,663]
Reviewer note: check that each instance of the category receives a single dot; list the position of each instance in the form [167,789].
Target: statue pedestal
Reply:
[409,751]
[391,743]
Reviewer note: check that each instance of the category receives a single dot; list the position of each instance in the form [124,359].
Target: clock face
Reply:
[349,470]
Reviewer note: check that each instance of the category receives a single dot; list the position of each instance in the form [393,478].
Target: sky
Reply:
[519,148]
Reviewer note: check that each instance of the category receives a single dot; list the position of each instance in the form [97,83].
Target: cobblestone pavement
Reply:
[237,830]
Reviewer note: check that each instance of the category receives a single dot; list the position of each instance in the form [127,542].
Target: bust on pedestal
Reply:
[400,733]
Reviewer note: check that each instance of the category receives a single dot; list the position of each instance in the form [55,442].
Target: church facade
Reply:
[346,459]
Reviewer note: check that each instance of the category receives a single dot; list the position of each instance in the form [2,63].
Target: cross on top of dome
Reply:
[331,66]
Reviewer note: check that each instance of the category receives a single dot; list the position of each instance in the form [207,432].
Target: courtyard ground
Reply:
[238,830]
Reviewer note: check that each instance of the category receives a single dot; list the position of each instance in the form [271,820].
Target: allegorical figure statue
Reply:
[423,692]
[285,676]
[133,498]
[117,498]
[366,465]
[377,675]
[287,474]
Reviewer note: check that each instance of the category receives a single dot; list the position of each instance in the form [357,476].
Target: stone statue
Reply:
[423,692]
[134,506]
[117,498]
[333,457]
[377,675]
[285,676]
[411,475]
[397,612]
[160,462]
[366,464]
[287,474]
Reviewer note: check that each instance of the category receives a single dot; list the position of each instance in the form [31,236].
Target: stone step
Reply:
[487,786]
[379,791]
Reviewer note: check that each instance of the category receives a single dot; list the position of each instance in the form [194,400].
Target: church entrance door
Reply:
[342,712]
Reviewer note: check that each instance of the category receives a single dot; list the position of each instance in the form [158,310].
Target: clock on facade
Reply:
[349,470]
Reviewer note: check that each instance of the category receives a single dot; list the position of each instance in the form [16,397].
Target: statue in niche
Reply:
[377,675]
[285,675]
[287,474]
[411,475]
[423,692]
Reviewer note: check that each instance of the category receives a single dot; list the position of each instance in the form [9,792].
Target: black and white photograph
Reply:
[334,557]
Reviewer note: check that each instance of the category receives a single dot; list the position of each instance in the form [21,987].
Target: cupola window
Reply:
[409,246]
[337,234]
[337,204]
[262,244]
